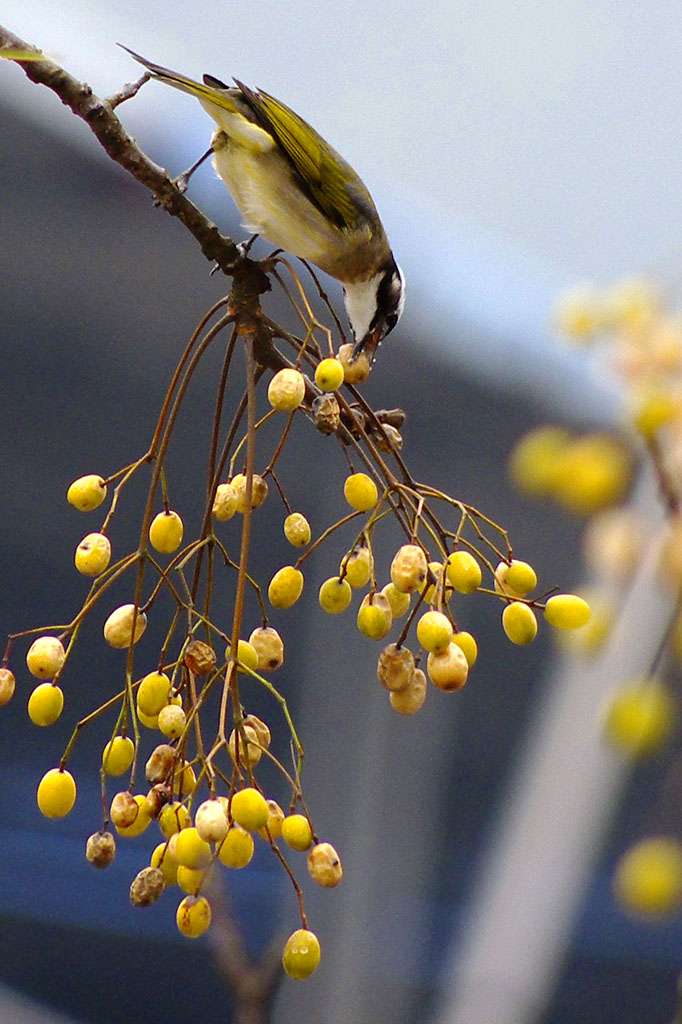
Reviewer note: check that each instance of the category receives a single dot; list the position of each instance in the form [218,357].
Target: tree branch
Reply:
[99,116]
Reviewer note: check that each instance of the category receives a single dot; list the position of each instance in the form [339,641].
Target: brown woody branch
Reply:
[99,116]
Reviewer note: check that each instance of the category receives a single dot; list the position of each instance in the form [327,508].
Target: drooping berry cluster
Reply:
[201,787]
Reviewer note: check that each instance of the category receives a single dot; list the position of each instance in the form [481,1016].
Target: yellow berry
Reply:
[269,647]
[56,793]
[360,492]
[184,780]
[515,578]
[355,370]
[590,473]
[632,304]
[118,629]
[329,374]
[247,656]
[149,721]
[468,645]
[399,602]
[533,461]
[567,611]
[173,818]
[249,809]
[324,865]
[153,693]
[639,717]
[409,568]
[579,313]
[191,850]
[193,916]
[286,390]
[171,721]
[374,618]
[655,409]
[296,831]
[259,491]
[335,595]
[236,850]
[191,880]
[45,704]
[225,502]
[7,685]
[648,877]
[613,542]
[434,631]
[87,493]
[463,572]
[141,820]
[93,554]
[411,699]
[301,954]
[165,532]
[519,623]
[297,530]
[358,567]
[448,670]
[118,755]
[45,657]
[285,587]
[162,858]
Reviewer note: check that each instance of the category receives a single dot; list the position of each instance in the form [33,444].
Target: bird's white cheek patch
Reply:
[361,304]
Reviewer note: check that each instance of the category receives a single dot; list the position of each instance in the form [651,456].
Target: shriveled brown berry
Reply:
[249,753]
[199,657]
[326,413]
[225,502]
[147,886]
[269,647]
[409,568]
[160,764]
[260,728]
[388,439]
[274,823]
[324,865]
[157,798]
[259,491]
[124,809]
[411,699]
[395,667]
[100,849]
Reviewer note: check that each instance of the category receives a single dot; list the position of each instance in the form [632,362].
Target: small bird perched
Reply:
[292,188]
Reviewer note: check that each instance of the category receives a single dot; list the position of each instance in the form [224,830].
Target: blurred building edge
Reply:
[16,1009]
[560,805]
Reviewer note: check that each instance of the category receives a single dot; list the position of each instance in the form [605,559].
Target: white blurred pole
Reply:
[502,968]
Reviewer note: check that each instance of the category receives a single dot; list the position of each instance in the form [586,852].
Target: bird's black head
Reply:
[375,307]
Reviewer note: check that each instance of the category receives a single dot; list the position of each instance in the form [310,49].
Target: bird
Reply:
[295,191]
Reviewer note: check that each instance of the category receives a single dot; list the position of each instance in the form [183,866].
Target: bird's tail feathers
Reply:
[215,93]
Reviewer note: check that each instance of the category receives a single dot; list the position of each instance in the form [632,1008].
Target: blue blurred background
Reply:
[512,149]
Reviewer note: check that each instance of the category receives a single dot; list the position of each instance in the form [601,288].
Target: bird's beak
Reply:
[370,342]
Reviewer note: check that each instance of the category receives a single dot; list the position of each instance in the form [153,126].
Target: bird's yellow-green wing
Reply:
[330,182]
